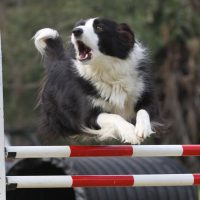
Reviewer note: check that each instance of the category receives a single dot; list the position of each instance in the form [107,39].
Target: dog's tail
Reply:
[49,43]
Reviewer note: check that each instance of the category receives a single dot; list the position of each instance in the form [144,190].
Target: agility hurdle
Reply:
[103,181]
[13,152]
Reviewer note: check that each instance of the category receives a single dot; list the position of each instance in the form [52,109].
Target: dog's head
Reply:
[94,37]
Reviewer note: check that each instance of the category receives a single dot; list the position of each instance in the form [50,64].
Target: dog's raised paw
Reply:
[126,132]
[41,36]
[143,125]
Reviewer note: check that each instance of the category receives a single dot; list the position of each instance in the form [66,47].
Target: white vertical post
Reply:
[2,153]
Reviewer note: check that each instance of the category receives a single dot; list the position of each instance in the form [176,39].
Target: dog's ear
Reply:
[126,34]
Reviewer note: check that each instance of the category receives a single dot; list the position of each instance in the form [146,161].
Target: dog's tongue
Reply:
[84,51]
[83,55]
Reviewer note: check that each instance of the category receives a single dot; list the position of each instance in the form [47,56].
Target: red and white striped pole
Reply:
[103,181]
[110,150]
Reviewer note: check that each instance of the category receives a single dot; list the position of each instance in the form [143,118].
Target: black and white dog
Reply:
[101,85]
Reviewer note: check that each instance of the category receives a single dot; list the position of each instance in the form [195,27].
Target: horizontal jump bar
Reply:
[14,182]
[96,151]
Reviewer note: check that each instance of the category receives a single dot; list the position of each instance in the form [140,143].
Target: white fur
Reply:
[143,124]
[41,36]
[116,80]
[89,37]
[114,126]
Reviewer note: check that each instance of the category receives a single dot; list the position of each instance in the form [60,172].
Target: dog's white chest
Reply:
[117,97]
[117,82]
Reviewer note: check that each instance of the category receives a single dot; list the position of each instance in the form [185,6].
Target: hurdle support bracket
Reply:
[2,149]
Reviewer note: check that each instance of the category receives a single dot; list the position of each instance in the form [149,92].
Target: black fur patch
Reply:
[64,100]
[115,40]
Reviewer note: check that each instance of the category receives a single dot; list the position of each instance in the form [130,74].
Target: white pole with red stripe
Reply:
[103,181]
[110,150]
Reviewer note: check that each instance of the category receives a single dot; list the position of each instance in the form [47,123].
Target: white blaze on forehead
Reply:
[89,37]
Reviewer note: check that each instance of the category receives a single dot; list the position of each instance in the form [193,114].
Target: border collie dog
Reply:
[99,86]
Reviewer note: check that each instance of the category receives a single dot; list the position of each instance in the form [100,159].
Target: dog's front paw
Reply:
[126,132]
[143,125]
[114,126]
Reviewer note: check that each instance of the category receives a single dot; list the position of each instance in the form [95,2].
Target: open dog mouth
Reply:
[85,53]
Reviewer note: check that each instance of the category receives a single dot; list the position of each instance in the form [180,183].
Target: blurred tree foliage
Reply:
[170,29]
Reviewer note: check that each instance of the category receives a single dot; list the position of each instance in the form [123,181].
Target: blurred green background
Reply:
[170,29]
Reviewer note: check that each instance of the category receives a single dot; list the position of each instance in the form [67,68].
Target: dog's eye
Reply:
[99,28]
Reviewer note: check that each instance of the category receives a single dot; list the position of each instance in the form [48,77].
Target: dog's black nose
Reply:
[77,32]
